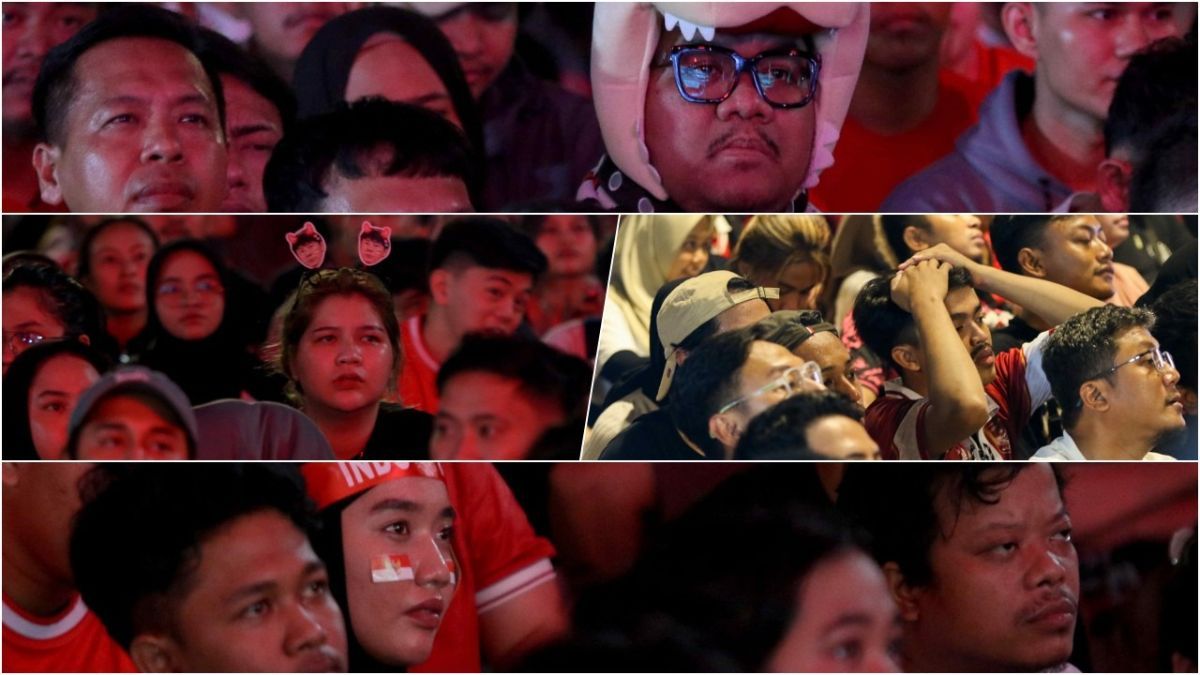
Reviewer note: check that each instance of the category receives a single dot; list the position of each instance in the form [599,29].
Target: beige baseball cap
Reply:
[694,303]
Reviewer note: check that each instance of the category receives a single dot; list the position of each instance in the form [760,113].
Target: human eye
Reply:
[71,21]
[110,441]
[398,528]
[120,119]
[11,18]
[446,533]
[256,609]
[169,288]
[317,588]
[1002,549]
[195,119]
[54,407]
[1063,534]
[1102,14]
[847,650]
[487,430]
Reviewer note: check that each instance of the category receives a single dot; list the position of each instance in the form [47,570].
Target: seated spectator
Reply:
[372,157]
[113,257]
[279,31]
[1040,137]
[540,139]
[569,289]
[30,30]
[257,430]
[236,586]
[790,253]
[1128,283]
[719,145]
[481,273]
[132,413]
[926,322]
[340,350]
[47,626]
[821,425]
[161,146]
[43,303]
[43,387]
[808,336]
[260,109]
[979,560]
[501,395]
[1116,385]
[1175,330]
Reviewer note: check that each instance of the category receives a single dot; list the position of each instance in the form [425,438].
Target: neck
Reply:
[30,586]
[1098,439]
[890,102]
[20,180]
[938,660]
[347,432]
[441,339]
[1065,141]
[124,326]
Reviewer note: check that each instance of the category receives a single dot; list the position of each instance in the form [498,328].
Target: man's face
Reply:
[282,29]
[397,616]
[254,128]
[485,300]
[141,133]
[1074,254]
[124,427]
[962,232]
[1082,48]
[740,155]
[484,36]
[568,243]
[767,361]
[905,35]
[27,321]
[119,257]
[846,621]
[396,194]
[259,601]
[967,316]
[40,501]
[52,396]
[1140,396]
[834,359]
[30,30]
[391,68]
[486,416]
[839,437]
[1005,588]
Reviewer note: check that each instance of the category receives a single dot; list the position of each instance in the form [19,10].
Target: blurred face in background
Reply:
[53,393]
[31,29]
[117,267]
[484,36]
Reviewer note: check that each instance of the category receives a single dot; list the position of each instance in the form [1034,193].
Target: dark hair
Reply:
[70,303]
[792,328]
[154,270]
[137,539]
[84,266]
[1084,346]
[368,138]
[1157,82]
[544,373]
[317,287]
[485,241]
[899,504]
[707,380]
[893,227]
[781,431]
[227,58]
[1178,617]
[1165,178]
[1175,329]
[55,86]
[1010,234]
[882,324]
[18,382]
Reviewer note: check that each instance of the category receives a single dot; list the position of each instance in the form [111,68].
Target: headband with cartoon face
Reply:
[309,248]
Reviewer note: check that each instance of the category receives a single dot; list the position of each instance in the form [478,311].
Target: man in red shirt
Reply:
[482,271]
[926,321]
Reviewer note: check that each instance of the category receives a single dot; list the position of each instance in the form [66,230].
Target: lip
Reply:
[984,356]
[428,614]
[1055,615]
[1105,271]
[164,195]
[348,381]
[743,145]
[192,318]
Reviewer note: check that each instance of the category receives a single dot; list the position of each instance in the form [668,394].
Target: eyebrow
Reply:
[853,619]
[500,278]
[51,392]
[248,129]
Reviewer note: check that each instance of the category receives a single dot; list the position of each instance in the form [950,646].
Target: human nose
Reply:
[1104,252]
[879,660]
[1047,568]
[349,352]
[848,389]
[304,630]
[33,41]
[432,565]
[1133,35]
[161,143]
[466,34]
[744,101]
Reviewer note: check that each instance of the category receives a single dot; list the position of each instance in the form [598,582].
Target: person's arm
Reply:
[957,402]
[1052,302]
[510,631]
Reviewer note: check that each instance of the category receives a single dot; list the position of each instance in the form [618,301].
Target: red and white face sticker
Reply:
[387,568]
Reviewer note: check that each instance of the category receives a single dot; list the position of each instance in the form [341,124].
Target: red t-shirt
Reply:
[72,642]
[896,420]
[868,166]
[418,374]
[503,558]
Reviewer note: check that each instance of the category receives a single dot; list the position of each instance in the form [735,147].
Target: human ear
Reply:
[154,654]
[725,429]
[45,165]
[1020,23]
[907,357]
[1092,395]
[1030,262]
[914,239]
[439,286]
[1113,184]
[905,595]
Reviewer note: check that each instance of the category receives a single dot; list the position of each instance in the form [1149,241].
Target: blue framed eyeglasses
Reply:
[784,78]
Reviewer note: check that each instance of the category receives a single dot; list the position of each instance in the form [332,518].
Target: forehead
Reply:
[825,348]
[962,301]
[424,494]
[127,409]
[65,372]
[187,263]
[243,103]
[26,304]
[1065,226]
[121,64]
[767,356]
[253,548]
[350,308]
[478,393]
[1031,497]
[477,274]
[1134,341]
[121,234]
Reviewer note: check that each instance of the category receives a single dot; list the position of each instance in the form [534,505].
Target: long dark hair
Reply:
[18,437]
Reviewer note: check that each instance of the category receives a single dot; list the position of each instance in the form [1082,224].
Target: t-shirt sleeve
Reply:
[897,425]
[1036,382]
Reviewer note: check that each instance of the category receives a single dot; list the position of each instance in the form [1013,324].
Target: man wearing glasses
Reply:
[720,107]
[1117,387]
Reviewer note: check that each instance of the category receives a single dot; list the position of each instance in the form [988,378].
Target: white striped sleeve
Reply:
[513,585]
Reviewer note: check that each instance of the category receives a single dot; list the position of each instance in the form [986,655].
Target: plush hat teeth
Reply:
[707,32]
[687,28]
[669,21]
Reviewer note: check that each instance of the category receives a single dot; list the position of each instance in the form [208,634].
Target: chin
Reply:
[987,375]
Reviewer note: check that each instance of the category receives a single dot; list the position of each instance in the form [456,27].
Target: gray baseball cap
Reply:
[136,379]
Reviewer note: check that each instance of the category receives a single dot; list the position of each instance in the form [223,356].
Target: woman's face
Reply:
[800,285]
[845,621]
[53,393]
[692,256]
[388,66]
[27,321]
[344,361]
[189,298]
[400,567]
[569,245]
[118,260]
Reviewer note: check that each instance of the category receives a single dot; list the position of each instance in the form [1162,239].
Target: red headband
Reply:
[330,482]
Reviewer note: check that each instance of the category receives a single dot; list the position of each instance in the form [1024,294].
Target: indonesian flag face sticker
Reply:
[391,567]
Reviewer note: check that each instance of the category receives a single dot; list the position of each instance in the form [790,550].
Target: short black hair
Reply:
[370,137]
[792,328]
[882,324]
[227,58]
[1157,82]
[84,266]
[1175,329]
[1084,346]
[898,504]
[893,226]
[136,540]
[1010,234]
[544,373]
[707,380]
[485,241]
[1164,180]
[55,86]
[781,431]
[62,296]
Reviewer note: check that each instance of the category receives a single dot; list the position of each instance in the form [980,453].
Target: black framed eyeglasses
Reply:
[1162,361]
[784,78]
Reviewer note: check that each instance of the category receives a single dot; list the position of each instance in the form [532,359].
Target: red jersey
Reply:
[418,374]
[72,642]
[896,420]
[500,557]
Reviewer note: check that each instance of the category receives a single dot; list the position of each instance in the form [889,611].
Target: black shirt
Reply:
[651,437]
[400,433]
